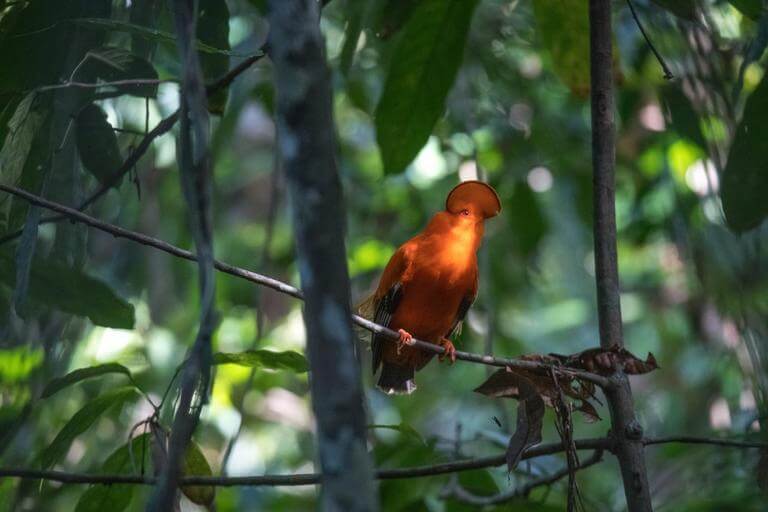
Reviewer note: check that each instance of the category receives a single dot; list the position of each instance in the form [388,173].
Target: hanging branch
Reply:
[308,153]
[292,291]
[626,430]
[301,479]
[195,176]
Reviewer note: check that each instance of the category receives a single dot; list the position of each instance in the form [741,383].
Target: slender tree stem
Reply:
[626,430]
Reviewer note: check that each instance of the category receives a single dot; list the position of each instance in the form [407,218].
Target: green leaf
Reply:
[81,421]
[752,9]
[745,177]
[81,374]
[22,128]
[213,29]
[393,15]
[97,143]
[426,59]
[111,64]
[685,9]
[70,290]
[265,359]
[403,428]
[116,497]
[144,13]
[195,464]
[151,34]
[563,29]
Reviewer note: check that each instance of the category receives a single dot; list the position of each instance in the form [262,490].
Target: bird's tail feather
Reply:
[396,380]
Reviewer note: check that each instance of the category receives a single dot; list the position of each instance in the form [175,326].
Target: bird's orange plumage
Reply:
[429,283]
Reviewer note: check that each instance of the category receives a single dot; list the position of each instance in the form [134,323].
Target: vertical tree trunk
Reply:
[626,430]
[307,146]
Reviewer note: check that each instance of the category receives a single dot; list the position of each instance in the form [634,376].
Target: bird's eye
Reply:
[465,212]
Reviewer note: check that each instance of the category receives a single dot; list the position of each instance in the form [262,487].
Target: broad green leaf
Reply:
[195,464]
[111,64]
[404,429]
[70,290]
[159,36]
[97,143]
[213,30]
[393,15]
[81,421]
[685,9]
[22,128]
[563,28]
[745,177]
[752,9]
[116,497]
[426,59]
[266,359]
[75,376]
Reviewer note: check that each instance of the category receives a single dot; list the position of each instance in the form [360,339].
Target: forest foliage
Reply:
[93,328]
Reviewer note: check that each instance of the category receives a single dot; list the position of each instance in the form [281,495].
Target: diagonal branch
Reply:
[292,291]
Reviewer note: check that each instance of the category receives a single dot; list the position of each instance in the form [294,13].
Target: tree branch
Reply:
[626,430]
[300,479]
[195,179]
[307,148]
[287,289]
[459,493]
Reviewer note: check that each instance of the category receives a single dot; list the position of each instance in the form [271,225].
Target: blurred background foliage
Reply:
[426,92]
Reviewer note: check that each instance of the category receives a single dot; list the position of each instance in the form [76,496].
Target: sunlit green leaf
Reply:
[117,497]
[265,359]
[745,178]
[752,9]
[97,143]
[81,421]
[81,374]
[70,290]
[195,464]
[426,58]
[563,28]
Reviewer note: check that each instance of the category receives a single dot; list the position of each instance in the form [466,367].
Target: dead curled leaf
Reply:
[606,361]
[530,417]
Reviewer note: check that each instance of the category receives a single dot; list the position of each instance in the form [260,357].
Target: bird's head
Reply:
[473,202]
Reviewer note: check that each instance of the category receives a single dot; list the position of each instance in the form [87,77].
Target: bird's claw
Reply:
[404,339]
[450,351]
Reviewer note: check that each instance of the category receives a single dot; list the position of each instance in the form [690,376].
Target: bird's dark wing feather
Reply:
[466,303]
[385,308]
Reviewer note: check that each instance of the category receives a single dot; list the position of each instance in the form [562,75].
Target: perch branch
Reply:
[287,289]
[300,479]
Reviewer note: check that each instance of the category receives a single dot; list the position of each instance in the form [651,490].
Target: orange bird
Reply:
[428,286]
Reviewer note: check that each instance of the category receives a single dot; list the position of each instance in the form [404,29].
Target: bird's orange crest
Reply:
[474,193]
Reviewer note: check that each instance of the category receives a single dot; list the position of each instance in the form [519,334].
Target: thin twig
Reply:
[97,85]
[287,289]
[667,72]
[300,479]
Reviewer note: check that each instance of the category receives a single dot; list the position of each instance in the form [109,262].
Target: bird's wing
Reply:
[388,296]
[385,308]
[464,305]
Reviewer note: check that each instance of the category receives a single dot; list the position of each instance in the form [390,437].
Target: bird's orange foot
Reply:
[404,339]
[450,350]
